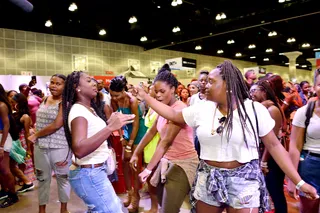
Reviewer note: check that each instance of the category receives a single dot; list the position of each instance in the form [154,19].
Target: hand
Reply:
[117,120]
[32,131]
[1,154]
[123,141]
[141,93]
[33,138]
[292,191]
[134,162]
[143,176]
[309,191]
[265,170]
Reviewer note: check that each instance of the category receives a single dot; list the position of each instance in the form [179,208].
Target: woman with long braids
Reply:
[305,149]
[23,122]
[125,103]
[7,134]
[229,174]
[51,149]
[262,93]
[175,159]
[87,134]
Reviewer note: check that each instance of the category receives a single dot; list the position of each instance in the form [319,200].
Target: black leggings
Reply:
[274,181]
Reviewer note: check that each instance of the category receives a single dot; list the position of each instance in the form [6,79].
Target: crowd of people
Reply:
[227,140]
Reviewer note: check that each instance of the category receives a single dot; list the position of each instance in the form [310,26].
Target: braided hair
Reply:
[69,98]
[118,84]
[165,75]
[237,92]
[12,130]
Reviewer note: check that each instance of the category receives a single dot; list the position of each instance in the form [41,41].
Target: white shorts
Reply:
[8,143]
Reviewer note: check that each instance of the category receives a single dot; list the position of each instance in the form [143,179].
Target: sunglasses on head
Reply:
[221,121]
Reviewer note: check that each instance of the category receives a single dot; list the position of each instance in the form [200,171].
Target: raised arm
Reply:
[82,145]
[162,109]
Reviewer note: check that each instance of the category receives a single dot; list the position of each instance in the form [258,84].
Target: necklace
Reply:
[213,131]
[89,108]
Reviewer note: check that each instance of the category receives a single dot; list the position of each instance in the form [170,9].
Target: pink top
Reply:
[33,104]
[182,146]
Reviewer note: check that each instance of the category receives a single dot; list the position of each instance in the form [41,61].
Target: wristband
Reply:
[148,171]
[127,150]
[298,186]
[128,147]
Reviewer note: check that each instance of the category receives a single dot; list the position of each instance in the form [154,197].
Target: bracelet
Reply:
[148,171]
[127,150]
[264,164]
[298,186]
[128,147]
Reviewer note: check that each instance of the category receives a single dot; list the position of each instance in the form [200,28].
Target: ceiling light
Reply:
[317,49]
[143,38]
[269,50]
[198,47]
[252,46]
[266,59]
[290,40]
[221,16]
[282,1]
[305,45]
[174,3]
[179,1]
[159,7]
[133,19]
[73,7]
[238,54]
[230,41]
[272,33]
[48,23]
[297,64]
[304,66]
[102,32]
[176,29]
[286,63]
[281,53]
[252,57]
[220,51]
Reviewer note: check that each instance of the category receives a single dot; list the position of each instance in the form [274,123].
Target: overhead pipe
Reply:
[23,4]
[236,30]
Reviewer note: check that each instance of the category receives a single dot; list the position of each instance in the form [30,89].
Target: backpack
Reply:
[309,113]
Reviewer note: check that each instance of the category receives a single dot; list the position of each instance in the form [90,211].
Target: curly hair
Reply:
[165,75]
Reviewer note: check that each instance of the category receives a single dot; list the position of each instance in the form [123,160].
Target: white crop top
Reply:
[95,124]
[312,143]
[216,147]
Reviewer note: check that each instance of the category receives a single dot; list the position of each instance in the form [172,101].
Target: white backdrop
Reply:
[12,82]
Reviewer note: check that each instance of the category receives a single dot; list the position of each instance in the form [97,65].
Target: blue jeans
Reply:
[94,188]
[309,170]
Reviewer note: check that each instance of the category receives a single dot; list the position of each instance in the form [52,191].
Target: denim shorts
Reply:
[309,170]
[238,188]
[94,188]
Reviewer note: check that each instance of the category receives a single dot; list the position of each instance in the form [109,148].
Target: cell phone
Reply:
[34,78]
[141,84]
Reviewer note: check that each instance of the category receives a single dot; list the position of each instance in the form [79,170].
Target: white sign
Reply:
[155,67]
[79,62]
